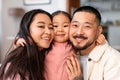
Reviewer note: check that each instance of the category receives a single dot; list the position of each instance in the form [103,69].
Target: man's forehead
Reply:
[83,14]
[81,17]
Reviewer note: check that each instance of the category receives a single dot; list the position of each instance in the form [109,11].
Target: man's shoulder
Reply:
[107,48]
[113,51]
[112,54]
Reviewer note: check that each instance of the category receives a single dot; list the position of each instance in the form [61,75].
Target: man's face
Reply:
[84,30]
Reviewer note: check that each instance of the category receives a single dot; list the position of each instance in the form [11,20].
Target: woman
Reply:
[27,63]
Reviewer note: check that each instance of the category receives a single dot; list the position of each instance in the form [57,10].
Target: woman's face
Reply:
[41,30]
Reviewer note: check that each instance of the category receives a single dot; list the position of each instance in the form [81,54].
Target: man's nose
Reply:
[80,30]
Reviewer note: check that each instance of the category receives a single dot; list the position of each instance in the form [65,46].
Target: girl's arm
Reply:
[19,42]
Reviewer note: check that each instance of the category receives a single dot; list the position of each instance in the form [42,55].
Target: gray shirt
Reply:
[83,63]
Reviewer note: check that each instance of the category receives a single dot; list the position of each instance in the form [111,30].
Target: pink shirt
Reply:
[55,61]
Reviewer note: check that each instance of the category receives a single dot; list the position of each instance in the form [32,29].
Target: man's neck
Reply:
[87,50]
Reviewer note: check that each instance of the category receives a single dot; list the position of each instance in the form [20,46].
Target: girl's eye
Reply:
[66,25]
[55,26]
[51,28]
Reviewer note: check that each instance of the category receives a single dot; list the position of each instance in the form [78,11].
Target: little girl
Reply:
[55,59]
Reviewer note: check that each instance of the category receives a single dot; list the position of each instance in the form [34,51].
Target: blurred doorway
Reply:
[72,5]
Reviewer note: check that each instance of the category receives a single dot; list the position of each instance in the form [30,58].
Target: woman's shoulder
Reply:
[17,55]
[16,76]
[7,66]
[16,60]
[20,48]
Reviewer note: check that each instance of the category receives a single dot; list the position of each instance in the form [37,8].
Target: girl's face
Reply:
[41,30]
[61,25]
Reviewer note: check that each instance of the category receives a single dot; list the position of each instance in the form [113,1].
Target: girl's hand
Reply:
[100,40]
[20,42]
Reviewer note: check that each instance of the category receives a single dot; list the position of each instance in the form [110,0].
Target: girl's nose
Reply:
[60,29]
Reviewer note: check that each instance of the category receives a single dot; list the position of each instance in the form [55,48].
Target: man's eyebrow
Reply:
[74,21]
[88,23]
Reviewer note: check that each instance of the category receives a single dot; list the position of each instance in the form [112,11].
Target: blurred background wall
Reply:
[0,26]
[10,18]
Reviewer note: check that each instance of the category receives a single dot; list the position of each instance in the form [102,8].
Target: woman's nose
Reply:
[47,31]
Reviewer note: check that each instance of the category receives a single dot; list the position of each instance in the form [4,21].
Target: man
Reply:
[97,62]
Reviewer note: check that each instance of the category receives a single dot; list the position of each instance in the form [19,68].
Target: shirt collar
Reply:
[98,51]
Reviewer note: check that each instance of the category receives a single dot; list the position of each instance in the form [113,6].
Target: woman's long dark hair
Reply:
[25,61]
